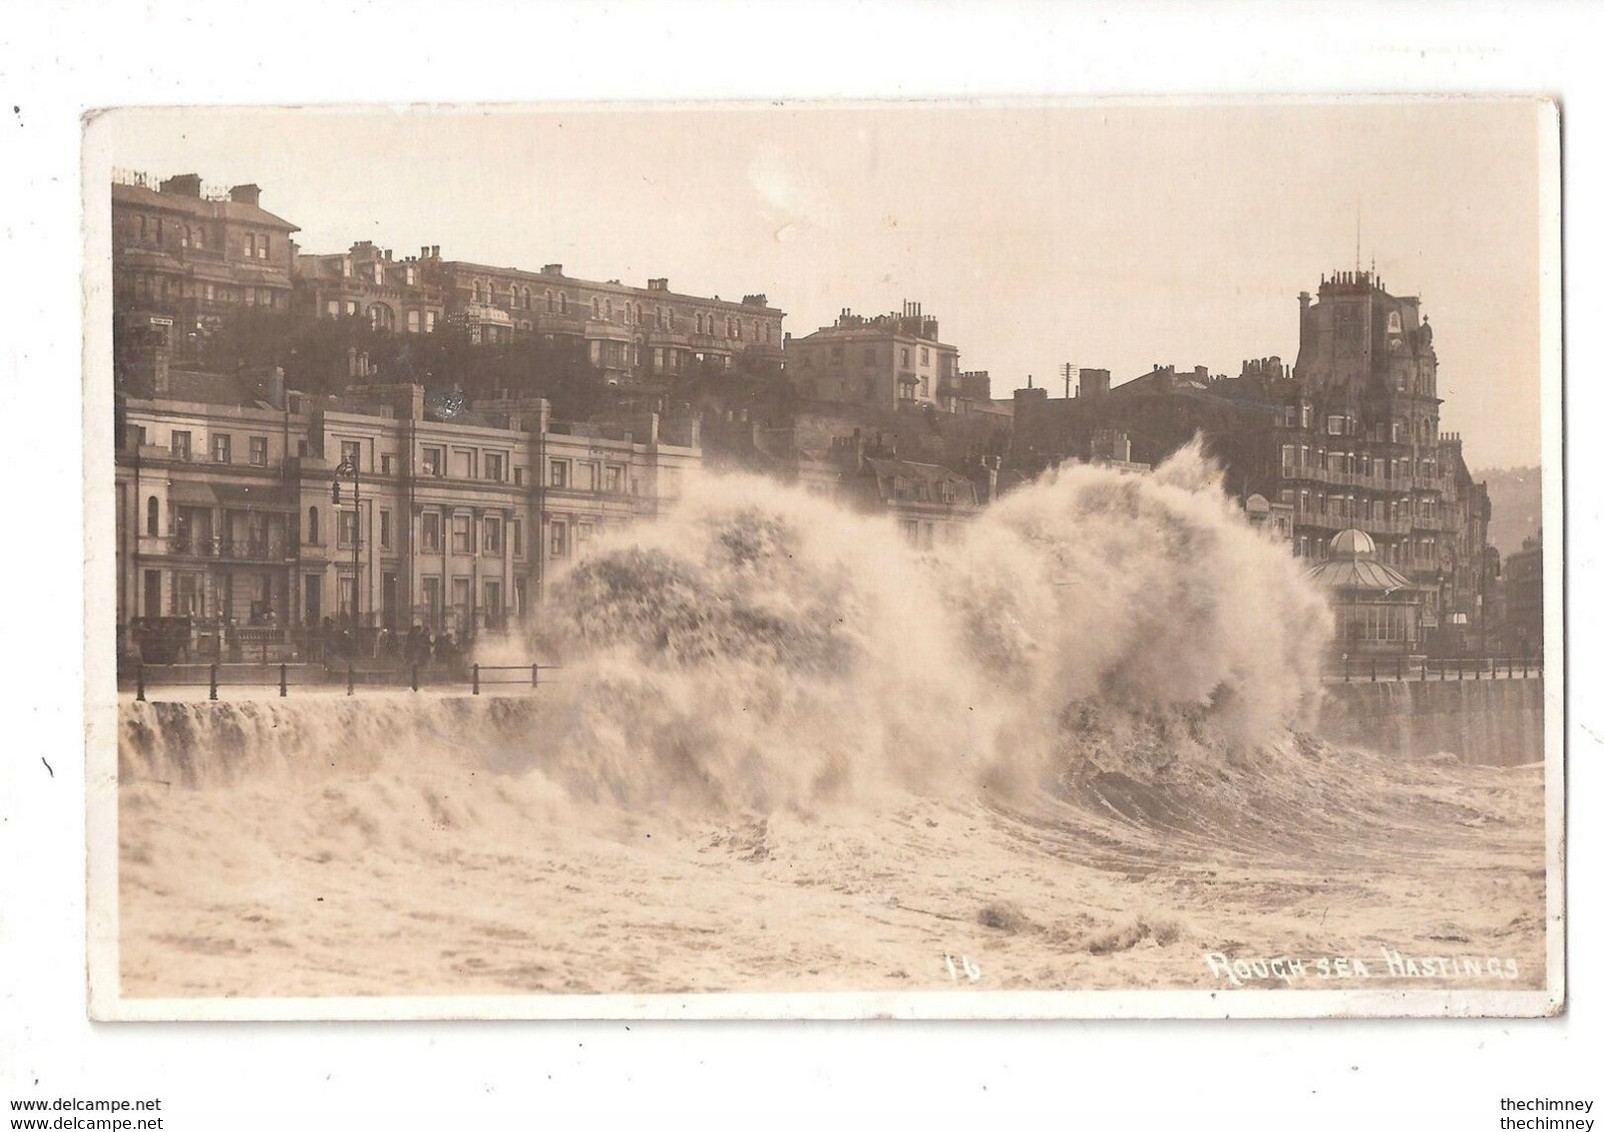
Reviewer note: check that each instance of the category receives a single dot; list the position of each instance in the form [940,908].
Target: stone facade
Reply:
[645,336]
[185,258]
[889,361]
[236,507]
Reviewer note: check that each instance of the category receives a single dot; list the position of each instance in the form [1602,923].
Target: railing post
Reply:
[534,675]
[414,676]
[1478,668]
[1422,670]
[139,693]
[1399,674]
[1372,670]
[350,678]
[476,679]
[283,680]
[264,650]
[1344,668]
[1461,668]
[212,692]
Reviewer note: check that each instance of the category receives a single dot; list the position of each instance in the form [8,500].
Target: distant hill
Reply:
[1517,498]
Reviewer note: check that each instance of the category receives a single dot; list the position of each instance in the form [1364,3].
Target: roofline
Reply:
[616,288]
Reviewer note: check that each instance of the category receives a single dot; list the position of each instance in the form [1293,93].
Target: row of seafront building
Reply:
[1347,438]
[257,506]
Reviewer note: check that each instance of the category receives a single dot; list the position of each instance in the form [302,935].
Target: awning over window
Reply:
[190,493]
[249,497]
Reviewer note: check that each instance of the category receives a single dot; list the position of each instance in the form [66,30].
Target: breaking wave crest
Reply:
[762,649]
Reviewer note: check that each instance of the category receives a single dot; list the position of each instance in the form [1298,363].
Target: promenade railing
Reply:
[1373,669]
[279,679]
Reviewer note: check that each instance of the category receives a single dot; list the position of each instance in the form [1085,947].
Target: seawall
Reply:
[1486,722]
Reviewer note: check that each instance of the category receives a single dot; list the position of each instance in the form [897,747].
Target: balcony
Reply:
[249,549]
[1315,473]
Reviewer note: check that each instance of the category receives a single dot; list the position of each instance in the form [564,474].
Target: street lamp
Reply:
[351,467]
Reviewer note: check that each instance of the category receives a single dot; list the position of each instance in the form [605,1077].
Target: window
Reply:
[313,535]
[463,463]
[261,248]
[562,302]
[347,528]
[250,246]
[559,473]
[180,445]
[492,535]
[905,356]
[924,387]
[432,461]
[431,598]
[351,454]
[387,464]
[461,533]
[386,530]
[414,321]
[517,537]
[494,462]
[259,451]
[559,538]
[153,513]
[493,601]
[431,531]
[924,355]
[223,449]
[615,479]
[582,533]
[428,322]
[461,595]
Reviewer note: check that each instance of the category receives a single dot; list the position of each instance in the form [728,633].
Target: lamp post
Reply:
[353,468]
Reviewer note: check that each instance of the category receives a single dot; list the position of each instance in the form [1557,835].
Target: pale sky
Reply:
[1113,236]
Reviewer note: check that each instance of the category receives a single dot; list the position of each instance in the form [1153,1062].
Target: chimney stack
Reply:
[183,185]
[246,194]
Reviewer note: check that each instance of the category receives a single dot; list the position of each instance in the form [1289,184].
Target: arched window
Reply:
[183,240]
[595,307]
[153,512]
[529,302]
[476,292]
[607,307]
[562,302]
[551,302]
[312,536]
[698,322]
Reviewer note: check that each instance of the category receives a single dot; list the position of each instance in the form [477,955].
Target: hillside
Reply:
[1517,498]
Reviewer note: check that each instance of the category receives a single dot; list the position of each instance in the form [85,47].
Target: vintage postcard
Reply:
[931,560]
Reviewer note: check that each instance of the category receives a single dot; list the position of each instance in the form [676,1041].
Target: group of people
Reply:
[421,647]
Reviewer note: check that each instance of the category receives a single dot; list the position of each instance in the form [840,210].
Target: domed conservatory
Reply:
[1378,609]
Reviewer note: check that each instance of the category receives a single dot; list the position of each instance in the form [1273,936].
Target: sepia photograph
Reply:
[823,559]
